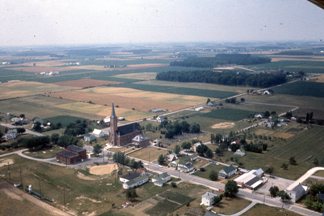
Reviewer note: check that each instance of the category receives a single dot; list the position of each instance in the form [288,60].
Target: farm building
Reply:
[161,179]
[227,172]
[296,191]
[10,135]
[71,155]
[133,179]
[141,141]
[122,135]
[252,179]
[207,199]
[161,119]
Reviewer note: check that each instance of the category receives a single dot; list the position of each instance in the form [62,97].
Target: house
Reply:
[172,157]
[227,172]
[199,109]
[161,119]
[98,133]
[89,138]
[296,191]
[156,142]
[141,141]
[239,152]
[252,179]
[10,135]
[71,155]
[207,199]
[258,116]
[161,179]
[186,167]
[133,179]
[266,92]
[106,120]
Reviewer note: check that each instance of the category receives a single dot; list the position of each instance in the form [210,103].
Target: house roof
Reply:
[129,128]
[139,138]
[229,169]
[67,154]
[131,175]
[137,179]
[96,131]
[74,148]
[252,181]
[297,188]
[209,195]
[259,172]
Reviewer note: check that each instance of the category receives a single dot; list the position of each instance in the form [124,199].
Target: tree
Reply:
[177,149]
[97,149]
[213,175]
[209,153]
[242,100]
[121,158]
[55,138]
[37,127]
[269,170]
[195,128]
[218,199]
[292,161]
[208,100]
[131,194]
[274,191]
[21,130]
[231,189]
[315,162]
[284,196]
[284,166]
[186,145]
[161,159]
[66,140]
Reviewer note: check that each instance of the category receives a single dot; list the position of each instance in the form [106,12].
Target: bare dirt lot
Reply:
[85,83]
[319,78]
[5,162]
[223,125]
[103,169]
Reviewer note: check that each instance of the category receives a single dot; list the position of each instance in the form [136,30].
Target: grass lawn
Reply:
[177,197]
[209,168]
[163,207]
[149,153]
[228,114]
[230,206]
[264,210]
[64,119]
[48,153]
[301,88]
[319,173]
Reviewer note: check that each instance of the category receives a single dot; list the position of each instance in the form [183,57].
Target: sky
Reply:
[55,22]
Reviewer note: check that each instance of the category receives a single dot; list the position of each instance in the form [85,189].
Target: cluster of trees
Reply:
[257,148]
[204,151]
[262,80]
[177,128]
[312,200]
[221,59]
[121,158]
[275,192]
[77,128]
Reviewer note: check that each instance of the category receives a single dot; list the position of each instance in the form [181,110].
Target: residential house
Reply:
[89,138]
[227,172]
[207,199]
[239,152]
[161,119]
[296,191]
[129,176]
[98,133]
[133,179]
[140,141]
[161,179]
[186,167]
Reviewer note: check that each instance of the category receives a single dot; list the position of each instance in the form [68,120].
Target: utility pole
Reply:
[21,180]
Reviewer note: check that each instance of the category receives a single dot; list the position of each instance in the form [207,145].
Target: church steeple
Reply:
[113,114]
[113,126]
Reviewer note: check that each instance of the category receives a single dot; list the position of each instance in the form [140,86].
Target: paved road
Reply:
[27,130]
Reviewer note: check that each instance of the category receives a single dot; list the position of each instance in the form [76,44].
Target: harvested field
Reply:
[139,76]
[143,66]
[223,125]
[14,89]
[85,83]
[103,169]
[319,78]
[38,69]
[149,153]
[51,63]
[5,162]
[278,134]
[128,98]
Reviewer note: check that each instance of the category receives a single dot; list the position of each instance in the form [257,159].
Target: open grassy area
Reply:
[264,210]
[47,153]
[163,207]
[65,120]
[230,206]
[301,88]
[319,173]
[149,153]
[228,114]
[208,169]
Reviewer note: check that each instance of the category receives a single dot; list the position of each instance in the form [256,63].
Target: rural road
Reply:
[27,130]
[308,174]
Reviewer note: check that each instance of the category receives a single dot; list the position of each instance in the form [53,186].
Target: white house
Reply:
[106,120]
[135,182]
[172,157]
[296,191]
[195,146]
[207,199]
[239,153]
[199,109]
[161,119]
[160,179]
[98,133]
[186,167]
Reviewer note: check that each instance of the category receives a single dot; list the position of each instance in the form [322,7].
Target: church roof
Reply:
[113,114]
[129,128]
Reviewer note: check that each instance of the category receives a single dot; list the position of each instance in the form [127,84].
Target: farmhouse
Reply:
[251,180]
[141,141]
[122,135]
[185,167]
[161,179]
[71,155]
[227,172]
[207,199]
[161,119]
[296,191]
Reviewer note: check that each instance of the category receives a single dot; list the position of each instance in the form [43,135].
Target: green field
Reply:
[208,169]
[65,120]
[228,114]
[301,88]
[264,210]
[177,197]
[294,66]
[180,90]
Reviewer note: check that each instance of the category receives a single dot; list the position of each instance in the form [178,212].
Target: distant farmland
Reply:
[301,88]
[228,114]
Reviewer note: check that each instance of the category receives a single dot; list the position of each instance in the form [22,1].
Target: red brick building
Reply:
[71,155]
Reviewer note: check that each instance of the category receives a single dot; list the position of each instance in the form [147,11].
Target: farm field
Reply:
[227,114]
[319,173]
[264,210]
[276,58]
[139,76]
[237,89]
[148,154]
[14,89]
[85,83]
[128,98]
[301,88]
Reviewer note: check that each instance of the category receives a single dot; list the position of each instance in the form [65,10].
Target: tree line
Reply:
[171,129]
[221,59]
[231,78]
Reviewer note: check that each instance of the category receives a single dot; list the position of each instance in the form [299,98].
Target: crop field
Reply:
[276,58]
[278,134]
[181,90]
[264,210]
[228,114]
[236,89]
[131,99]
[85,83]
[21,88]
[313,89]
[138,76]
[149,153]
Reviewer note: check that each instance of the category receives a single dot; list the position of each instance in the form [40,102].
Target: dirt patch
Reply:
[84,177]
[319,78]
[223,125]
[283,135]
[87,198]
[85,83]
[5,162]
[103,169]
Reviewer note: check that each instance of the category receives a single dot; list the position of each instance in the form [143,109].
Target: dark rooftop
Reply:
[129,128]
[74,148]
[229,169]
[67,154]
[252,181]
[131,175]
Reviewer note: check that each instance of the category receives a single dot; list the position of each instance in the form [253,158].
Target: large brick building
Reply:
[122,135]
[71,155]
